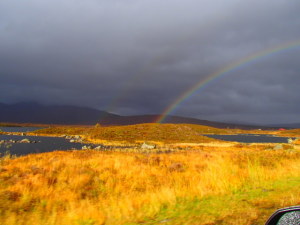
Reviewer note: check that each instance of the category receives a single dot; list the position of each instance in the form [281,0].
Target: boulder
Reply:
[291,140]
[25,141]
[147,146]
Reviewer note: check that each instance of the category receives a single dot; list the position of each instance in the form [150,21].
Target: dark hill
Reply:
[74,115]
[128,120]
[36,113]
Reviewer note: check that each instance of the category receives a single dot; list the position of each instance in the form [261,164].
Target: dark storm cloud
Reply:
[138,56]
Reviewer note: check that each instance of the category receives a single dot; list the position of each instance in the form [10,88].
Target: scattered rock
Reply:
[11,141]
[147,146]
[25,141]
[98,148]
[73,139]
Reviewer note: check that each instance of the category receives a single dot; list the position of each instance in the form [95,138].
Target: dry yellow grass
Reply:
[203,181]
[166,133]
[92,187]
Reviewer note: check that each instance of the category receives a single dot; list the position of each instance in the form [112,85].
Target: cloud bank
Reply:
[138,56]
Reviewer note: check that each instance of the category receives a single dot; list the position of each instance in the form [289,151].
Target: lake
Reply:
[251,138]
[19,129]
[44,144]
[48,144]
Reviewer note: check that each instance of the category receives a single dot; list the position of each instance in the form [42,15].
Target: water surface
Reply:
[45,144]
[251,138]
[19,129]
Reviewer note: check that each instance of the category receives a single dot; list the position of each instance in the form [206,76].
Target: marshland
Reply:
[184,178]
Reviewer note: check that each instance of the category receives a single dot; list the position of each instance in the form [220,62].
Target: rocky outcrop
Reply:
[23,141]
[147,146]
[75,138]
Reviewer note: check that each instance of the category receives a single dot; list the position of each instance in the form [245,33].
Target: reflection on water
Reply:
[251,138]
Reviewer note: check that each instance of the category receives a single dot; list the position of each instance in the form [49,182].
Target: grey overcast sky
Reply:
[138,56]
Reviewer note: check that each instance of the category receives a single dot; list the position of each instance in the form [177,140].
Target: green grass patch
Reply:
[246,206]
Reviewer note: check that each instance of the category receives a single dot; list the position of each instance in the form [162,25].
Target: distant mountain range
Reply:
[74,115]
[287,125]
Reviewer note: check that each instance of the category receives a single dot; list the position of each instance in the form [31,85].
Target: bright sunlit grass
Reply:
[167,133]
[227,185]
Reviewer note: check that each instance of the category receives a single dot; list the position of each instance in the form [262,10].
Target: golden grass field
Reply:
[202,181]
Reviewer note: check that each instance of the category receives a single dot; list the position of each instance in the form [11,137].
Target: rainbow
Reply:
[223,71]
